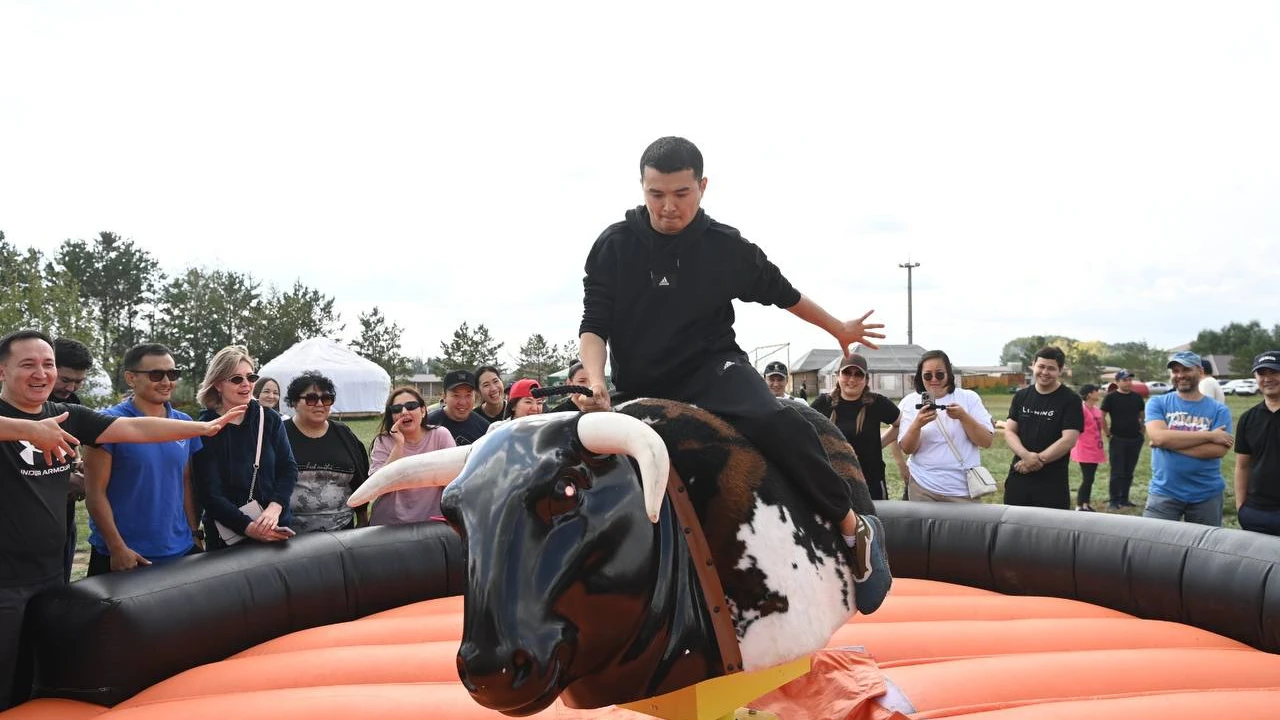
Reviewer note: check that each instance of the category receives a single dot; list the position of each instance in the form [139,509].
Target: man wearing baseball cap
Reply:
[775,376]
[458,415]
[1189,435]
[1128,417]
[1257,475]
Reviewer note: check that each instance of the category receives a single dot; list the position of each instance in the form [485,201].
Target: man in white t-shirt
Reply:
[1209,386]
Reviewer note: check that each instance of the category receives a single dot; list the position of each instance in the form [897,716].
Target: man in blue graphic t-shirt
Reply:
[1189,435]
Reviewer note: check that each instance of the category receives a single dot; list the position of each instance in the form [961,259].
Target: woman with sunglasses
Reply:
[936,412]
[859,413]
[331,460]
[405,432]
[223,471]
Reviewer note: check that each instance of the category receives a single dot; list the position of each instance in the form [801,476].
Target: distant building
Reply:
[981,377]
[806,369]
[429,386]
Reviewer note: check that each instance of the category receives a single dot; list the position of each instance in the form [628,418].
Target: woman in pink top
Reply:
[1088,449]
[405,432]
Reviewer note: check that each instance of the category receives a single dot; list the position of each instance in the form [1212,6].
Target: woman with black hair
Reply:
[940,421]
[489,392]
[405,432]
[859,413]
[331,460]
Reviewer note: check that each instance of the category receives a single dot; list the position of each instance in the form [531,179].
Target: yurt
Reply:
[362,385]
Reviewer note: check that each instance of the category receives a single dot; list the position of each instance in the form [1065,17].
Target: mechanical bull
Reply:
[581,579]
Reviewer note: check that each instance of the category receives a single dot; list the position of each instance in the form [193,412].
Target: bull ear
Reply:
[612,433]
[433,469]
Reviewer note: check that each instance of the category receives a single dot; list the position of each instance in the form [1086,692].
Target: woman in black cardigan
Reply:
[223,472]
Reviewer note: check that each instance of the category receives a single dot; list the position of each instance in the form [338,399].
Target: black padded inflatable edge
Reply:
[1221,580]
[106,638]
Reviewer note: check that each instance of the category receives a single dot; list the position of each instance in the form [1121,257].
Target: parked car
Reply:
[1157,387]
[1225,384]
[1244,386]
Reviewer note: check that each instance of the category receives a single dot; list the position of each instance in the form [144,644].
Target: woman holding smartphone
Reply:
[937,417]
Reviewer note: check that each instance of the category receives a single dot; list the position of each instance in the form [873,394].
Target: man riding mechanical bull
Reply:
[585,573]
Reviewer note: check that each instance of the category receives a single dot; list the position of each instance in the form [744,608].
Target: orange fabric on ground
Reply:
[952,652]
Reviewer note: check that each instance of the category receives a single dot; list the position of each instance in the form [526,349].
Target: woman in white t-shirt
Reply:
[936,406]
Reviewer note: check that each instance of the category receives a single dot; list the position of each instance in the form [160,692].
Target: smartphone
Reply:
[287,532]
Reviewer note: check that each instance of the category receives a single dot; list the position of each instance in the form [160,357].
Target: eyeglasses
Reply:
[239,379]
[399,408]
[158,375]
[325,399]
[852,372]
[929,375]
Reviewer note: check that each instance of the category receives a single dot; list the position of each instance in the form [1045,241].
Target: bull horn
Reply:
[432,469]
[612,433]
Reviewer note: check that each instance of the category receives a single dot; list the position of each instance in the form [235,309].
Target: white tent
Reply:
[361,384]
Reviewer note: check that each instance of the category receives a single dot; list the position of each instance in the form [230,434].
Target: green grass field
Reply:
[996,459]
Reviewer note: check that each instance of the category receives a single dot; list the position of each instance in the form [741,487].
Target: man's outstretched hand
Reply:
[49,438]
[859,331]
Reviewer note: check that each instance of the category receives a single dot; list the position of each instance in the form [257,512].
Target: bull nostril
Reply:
[463,675]
[521,666]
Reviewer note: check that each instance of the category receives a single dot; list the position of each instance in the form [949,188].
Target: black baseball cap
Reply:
[459,377]
[775,368]
[1269,360]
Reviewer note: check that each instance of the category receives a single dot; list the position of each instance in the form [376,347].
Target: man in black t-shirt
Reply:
[1257,476]
[1045,420]
[457,415]
[1126,430]
[35,483]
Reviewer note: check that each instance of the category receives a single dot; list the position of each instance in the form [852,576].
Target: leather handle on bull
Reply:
[611,433]
[713,595]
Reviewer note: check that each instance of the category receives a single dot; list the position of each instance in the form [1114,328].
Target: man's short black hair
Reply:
[670,155]
[134,357]
[1052,352]
[6,342]
[70,353]
[299,385]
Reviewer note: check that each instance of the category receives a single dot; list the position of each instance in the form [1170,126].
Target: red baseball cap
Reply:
[522,389]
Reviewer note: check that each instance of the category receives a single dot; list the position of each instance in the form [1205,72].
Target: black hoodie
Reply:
[664,302]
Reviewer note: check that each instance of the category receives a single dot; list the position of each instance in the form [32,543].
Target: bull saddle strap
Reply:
[712,591]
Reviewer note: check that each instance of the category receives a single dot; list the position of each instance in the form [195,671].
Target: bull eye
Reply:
[562,498]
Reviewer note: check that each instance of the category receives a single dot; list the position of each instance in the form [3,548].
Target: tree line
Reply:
[111,295]
[1086,358]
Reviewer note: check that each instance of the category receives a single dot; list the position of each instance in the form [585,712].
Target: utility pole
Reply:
[909,266]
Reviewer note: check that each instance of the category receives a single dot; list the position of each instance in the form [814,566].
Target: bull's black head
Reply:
[560,552]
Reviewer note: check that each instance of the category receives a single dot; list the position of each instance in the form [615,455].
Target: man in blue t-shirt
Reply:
[1189,435]
[141,509]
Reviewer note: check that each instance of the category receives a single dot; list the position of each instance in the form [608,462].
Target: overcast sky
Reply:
[1102,170]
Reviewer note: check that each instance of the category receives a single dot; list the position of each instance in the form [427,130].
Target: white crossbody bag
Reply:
[251,508]
[978,478]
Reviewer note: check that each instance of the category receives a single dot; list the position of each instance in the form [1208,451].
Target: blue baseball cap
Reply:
[1186,358]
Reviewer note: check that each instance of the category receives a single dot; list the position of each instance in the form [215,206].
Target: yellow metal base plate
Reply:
[720,697]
